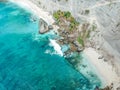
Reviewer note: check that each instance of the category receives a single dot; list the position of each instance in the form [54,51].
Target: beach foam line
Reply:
[27,4]
[104,70]
[56,46]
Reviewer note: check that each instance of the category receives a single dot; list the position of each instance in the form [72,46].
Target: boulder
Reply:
[79,49]
[76,43]
[73,47]
[118,88]
[100,57]
[71,36]
[43,27]
[79,46]
[65,42]
[50,27]
[61,39]
[98,47]
[71,40]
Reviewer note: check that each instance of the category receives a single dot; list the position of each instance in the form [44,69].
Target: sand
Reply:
[35,9]
[105,71]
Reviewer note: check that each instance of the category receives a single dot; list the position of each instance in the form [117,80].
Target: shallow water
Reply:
[28,61]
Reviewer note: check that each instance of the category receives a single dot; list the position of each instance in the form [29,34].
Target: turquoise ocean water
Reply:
[28,61]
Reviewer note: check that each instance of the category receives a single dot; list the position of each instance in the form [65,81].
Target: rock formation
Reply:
[44,27]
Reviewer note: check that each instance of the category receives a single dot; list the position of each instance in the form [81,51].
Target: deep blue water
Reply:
[24,63]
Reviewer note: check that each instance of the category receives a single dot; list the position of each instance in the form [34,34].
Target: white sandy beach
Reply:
[35,9]
[104,70]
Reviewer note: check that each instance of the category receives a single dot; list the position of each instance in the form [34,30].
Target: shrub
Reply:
[67,14]
[68,17]
[88,33]
[80,40]
[56,16]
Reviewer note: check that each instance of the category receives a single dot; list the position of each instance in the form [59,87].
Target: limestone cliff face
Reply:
[104,13]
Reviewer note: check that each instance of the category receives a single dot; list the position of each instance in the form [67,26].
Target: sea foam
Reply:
[56,46]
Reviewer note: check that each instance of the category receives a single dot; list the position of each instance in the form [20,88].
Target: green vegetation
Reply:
[67,22]
[73,25]
[57,14]
[66,15]
[88,33]
[81,41]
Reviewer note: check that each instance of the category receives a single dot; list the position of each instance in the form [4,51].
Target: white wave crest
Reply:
[56,46]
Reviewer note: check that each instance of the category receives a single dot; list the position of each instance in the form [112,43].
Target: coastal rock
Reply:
[60,42]
[70,40]
[50,27]
[79,49]
[68,54]
[61,38]
[73,47]
[118,88]
[71,36]
[43,27]
[76,43]
[100,57]
[65,42]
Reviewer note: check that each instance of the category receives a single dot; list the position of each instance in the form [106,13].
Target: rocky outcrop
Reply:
[44,27]
[50,27]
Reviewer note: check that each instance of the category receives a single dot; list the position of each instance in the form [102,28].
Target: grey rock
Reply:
[43,27]
[71,36]
[118,88]
[65,42]
[98,47]
[50,27]
[76,43]
[79,49]
[62,38]
[100,57]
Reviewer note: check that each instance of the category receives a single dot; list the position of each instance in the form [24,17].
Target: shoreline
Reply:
[105,71]
[40,13]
